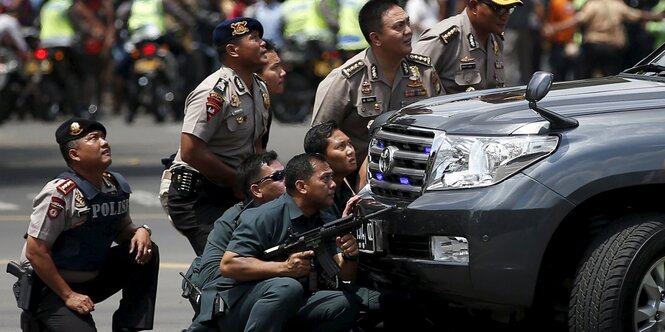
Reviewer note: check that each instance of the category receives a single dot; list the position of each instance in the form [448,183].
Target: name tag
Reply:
[464,66]
[369,99]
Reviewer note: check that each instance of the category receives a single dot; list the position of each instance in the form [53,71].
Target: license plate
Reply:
[366,236]
[38,67]
[142,66]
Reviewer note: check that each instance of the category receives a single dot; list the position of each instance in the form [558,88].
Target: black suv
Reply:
[549,197]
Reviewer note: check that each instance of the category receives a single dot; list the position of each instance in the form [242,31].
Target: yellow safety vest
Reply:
[55,21]
[146,12]
[303,21]
[349,36]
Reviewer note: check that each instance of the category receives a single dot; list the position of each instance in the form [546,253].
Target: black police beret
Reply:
[76,128]
[237,27]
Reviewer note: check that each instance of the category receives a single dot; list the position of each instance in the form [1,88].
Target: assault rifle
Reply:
[314,239]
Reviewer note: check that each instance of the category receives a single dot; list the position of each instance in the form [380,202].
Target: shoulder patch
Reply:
[353,69]
[67,186]
[421,59]
[448,35]
[55,207]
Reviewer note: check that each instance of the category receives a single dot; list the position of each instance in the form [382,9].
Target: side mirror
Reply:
[539,86]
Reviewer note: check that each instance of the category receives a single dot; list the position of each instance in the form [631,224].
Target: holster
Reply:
[22,288]
[186,181]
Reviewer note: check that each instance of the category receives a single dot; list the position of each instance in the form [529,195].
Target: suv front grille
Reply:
[406,151]
[409,246]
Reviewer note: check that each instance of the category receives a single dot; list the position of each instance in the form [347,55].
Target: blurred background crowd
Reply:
[97,57]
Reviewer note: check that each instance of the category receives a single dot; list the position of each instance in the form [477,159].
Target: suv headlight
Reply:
[477,161]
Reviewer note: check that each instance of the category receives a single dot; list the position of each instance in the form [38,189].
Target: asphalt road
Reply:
[30,158]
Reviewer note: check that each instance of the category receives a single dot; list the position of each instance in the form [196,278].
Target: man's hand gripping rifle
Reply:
[315,240]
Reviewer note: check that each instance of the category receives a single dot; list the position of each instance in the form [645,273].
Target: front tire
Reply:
[620,285]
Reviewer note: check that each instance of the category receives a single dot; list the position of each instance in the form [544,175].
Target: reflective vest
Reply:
[146,13]
[657,28]
[303,21]
[349,36]
[55,21]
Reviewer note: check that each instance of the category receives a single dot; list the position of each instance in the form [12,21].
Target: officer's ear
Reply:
[73,154]
[473,6]
[301,187]
[255,190]
[375,39]
[231,49]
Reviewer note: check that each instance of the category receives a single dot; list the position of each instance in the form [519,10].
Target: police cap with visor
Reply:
[234,28]
[76,128]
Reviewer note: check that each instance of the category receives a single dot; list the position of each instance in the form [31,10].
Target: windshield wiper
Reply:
[646,68]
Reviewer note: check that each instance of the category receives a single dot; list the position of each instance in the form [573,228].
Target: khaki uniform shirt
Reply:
[461,62]
[229,116]
[357,92]
[603,21]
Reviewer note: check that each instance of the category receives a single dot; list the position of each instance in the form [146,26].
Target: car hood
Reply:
[503,111]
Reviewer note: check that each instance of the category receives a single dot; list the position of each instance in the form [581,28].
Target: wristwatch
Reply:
[144,226]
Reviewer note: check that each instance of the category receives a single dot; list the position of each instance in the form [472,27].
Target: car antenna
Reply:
[537,89]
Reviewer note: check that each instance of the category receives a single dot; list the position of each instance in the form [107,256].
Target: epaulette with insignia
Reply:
[449,34]
[259,78]
[353,68]
[67,186]
[421,59]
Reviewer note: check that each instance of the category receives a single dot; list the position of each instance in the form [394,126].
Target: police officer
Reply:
[262,177]
[225,118]
[467,49]
[384,77]
[75,219]
[268,295]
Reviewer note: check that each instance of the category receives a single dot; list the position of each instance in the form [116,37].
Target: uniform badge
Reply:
[405,69]
[240,119]
[470,89]
[437,83]
[66,186]
[448,35]
[220,86]
[235,101]
[366,88]
[239,28]
[374,72]
[75,129]
[377,106]
[467,63]
[369,99]
[420,92]
[266,100]
[238,82]
[55,207]
[498,64]
[214,104]
[79,201]
[472,40]
[496,47]
[352,69]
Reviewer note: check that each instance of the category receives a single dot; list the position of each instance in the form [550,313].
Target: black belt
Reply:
[187,181]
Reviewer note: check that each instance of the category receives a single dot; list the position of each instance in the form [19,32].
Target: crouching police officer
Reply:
[75,219]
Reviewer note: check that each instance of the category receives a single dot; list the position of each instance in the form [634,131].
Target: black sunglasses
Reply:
[498,10]
[275,176]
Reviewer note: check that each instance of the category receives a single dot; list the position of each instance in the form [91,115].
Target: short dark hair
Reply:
[316,138]
[300,168]
[249,169]
[371,16]
[270,46]
[65,147]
